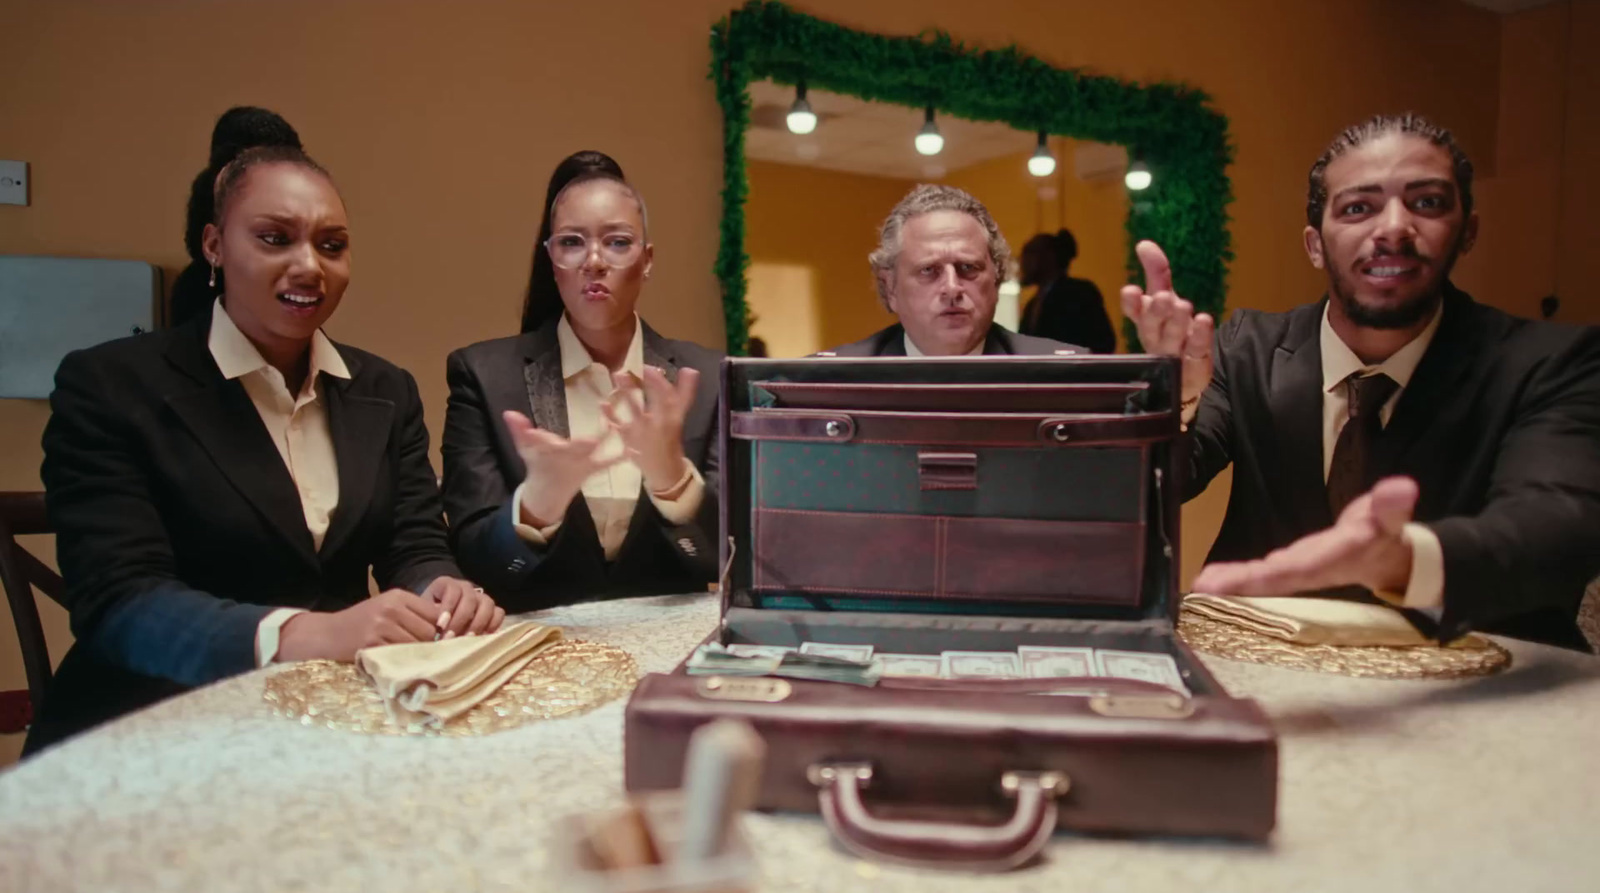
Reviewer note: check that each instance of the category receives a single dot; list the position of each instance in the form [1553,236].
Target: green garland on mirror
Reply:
[1170,126]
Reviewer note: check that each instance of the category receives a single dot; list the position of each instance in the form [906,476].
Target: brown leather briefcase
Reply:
[923,506]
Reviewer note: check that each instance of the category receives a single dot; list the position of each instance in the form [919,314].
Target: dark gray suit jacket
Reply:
[482,469]
[890,342]
[1500,427]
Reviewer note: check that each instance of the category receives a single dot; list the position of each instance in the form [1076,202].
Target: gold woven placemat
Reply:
[567,678]
[1465,657]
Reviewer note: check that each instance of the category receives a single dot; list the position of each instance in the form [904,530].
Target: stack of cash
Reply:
[860,665]
[716,660]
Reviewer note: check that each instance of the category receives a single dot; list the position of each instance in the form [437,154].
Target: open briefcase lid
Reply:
[998,485]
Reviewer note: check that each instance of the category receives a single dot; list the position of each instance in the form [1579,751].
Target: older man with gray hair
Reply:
[939,263]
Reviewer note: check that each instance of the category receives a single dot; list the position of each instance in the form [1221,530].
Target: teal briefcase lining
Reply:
[1087,484]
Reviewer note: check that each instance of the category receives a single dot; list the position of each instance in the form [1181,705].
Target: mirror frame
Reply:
[1171,127]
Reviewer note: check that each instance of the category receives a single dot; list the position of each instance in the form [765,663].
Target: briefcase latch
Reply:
[759,689]
[947,471]
[1173,706]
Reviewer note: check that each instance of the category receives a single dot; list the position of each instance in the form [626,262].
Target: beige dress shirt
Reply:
[299,428]
[612,493]
[1425,591]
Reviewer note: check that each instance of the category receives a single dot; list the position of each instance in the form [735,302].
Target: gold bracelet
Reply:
[678,486]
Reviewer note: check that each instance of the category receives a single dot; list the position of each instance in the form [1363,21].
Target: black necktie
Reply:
[1351,473]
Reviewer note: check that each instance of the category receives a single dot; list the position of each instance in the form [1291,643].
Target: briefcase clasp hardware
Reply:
[1173,706]
[1060,432]
[1053,783]
[824,774]
[834,428]
[745,688]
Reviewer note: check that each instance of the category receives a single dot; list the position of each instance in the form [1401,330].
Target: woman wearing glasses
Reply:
[580,456]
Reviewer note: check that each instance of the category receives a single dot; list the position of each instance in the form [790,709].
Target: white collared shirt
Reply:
[298,425]
[1425,590]
[611,493]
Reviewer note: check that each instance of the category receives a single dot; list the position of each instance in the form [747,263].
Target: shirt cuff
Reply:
[538,536]
[1425,590]
[679,503]
[268,633]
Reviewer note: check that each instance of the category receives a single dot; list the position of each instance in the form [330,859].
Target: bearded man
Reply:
[1395,439]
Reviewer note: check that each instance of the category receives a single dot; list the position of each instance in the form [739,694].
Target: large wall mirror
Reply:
[817,196]
[801,204]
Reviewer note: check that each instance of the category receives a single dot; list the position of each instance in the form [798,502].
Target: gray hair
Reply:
[925,199]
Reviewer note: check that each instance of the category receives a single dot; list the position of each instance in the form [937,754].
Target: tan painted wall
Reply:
[1539,228]
[828,221]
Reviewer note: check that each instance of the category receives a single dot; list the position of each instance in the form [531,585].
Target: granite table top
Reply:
[1449,786]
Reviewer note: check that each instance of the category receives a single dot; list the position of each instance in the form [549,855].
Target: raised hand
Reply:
[556,468]
[1365,547]
[1167,324]
[648,416]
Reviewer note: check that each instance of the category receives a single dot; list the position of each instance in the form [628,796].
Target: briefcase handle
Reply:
[945,845]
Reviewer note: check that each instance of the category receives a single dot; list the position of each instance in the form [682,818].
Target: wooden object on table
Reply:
[21,514]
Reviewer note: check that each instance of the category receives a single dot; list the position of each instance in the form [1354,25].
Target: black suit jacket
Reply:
[890,342]
[482,469]
[178,527]
[1071,310]
[1500,427]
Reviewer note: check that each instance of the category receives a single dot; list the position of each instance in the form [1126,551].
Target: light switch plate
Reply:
[13,182]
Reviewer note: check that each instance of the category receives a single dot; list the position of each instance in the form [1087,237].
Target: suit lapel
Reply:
[998,342]
[221,417]
[658,352]
[892,342]
[541,374]
[1294,403]
[1437,385]
[359,428]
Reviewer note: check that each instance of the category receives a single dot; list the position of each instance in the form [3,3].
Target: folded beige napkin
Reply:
[430,683]
[1310,621]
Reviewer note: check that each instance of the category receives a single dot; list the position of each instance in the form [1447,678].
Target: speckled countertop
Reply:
[1492,784]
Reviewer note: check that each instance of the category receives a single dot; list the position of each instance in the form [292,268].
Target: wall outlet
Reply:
[13,182]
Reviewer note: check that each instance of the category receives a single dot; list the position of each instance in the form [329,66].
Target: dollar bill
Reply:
[747,650]
[1147,666]
[822,668]
[980,664]
[925,665]
[1047,661]
[829,649]
[716,660]
[713,659]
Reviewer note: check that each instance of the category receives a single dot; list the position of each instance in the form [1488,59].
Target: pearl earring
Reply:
[213,275]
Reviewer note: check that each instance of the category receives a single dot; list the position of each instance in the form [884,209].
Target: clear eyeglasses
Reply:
[571,250]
